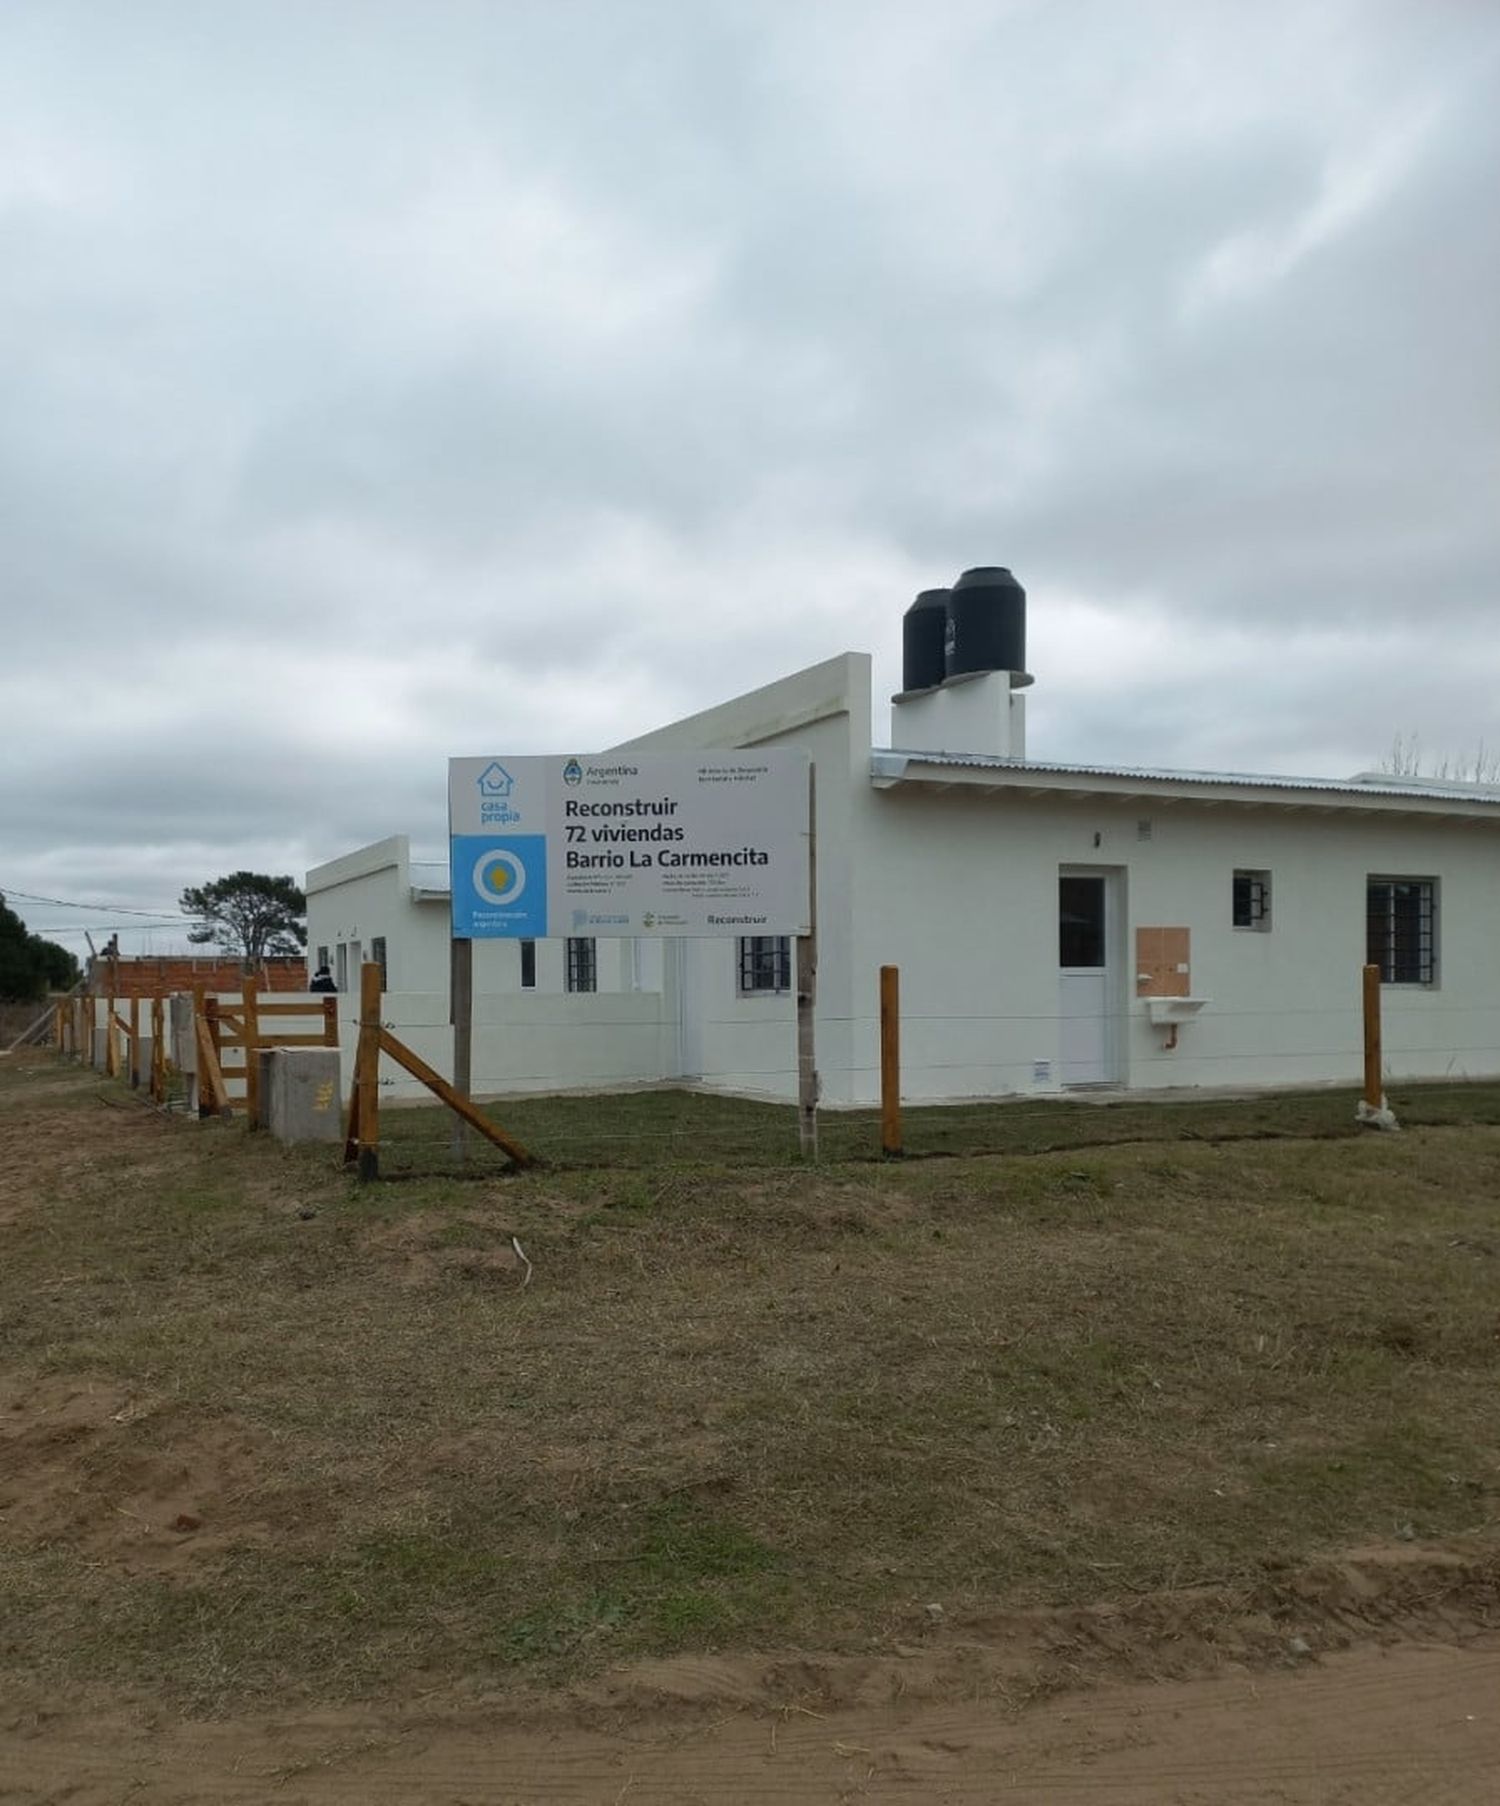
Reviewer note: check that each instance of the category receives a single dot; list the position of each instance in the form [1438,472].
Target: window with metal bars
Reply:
[1252,900]
[765,964]
[528,965]
[1401,929]
[583,969]
[377,954]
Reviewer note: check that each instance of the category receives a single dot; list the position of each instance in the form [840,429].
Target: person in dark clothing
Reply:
[322,980]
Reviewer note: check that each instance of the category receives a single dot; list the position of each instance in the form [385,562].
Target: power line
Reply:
[114,909]
[137,927]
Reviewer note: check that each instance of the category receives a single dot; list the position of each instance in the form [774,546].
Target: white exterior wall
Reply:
[527,1042]
[364,896]
[960,891]
[749,1043]
[368,894]
[956,883]
[524,1040]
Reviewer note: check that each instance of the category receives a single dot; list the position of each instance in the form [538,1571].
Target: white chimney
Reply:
[977,712]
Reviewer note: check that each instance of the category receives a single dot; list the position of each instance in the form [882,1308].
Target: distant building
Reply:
[1056,925]
[143,975]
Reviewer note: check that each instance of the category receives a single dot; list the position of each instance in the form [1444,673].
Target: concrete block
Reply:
[299,1093]
[182,1044]
[140,1067]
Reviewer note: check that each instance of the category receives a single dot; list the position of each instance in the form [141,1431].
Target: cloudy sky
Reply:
[386,381]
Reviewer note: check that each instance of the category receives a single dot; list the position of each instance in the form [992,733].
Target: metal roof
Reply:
[428,877]
[893,765]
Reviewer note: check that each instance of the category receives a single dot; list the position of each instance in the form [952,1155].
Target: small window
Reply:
[1081,923]
[322,959]
[765,964]
[583,969]
[1401,929]
[528,965]
[1252,900]
[341,974]
[377,954]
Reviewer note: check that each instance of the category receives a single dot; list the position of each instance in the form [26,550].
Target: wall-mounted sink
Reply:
[1167,1010]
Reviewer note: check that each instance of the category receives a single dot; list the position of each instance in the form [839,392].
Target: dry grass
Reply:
[735,1406]
[649,1129]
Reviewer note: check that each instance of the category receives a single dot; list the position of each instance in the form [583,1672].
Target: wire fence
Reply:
[975,1056]
[667,1129]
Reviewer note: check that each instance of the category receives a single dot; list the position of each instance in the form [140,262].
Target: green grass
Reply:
[649,1130]
[740,1403]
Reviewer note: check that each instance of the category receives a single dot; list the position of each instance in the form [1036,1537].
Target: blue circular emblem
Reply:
[499,875]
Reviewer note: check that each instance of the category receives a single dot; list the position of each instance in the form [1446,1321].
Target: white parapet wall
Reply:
[526,1041]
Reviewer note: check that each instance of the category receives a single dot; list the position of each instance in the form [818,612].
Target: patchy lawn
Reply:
[264,1434]
[653,1128]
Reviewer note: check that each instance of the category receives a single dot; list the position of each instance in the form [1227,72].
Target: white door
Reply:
[1085,1028]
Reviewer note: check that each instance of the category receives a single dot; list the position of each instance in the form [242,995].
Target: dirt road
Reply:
[1370,1727]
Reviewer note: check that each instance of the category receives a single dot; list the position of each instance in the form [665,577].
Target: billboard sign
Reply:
[628,844]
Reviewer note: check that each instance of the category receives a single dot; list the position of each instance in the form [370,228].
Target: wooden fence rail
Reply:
[362,1124]
[243,1028]
[227,1036]
[78,1027]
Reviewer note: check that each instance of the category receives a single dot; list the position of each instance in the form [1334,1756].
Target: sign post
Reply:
[676,845]
[461,1011]
[807,991]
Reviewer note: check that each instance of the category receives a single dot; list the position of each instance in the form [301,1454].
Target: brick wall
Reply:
[159,977]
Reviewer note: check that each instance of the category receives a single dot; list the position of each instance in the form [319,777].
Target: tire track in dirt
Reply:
[1368,1727]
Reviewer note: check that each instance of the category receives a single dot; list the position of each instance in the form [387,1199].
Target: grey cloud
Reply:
[543,372]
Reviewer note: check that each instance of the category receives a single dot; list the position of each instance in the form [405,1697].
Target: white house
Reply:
[1055,925]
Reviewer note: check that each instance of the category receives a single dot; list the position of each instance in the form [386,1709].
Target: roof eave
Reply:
[890,769]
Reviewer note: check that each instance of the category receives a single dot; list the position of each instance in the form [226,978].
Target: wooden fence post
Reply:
[890,1061]
[367,1071]
[250,1034]
[1374,1085]
[134,1067]
[209,1010]
[111,1054]
[158,1050]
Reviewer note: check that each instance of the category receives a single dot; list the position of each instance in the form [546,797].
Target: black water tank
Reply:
[986,623]
[924,631]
